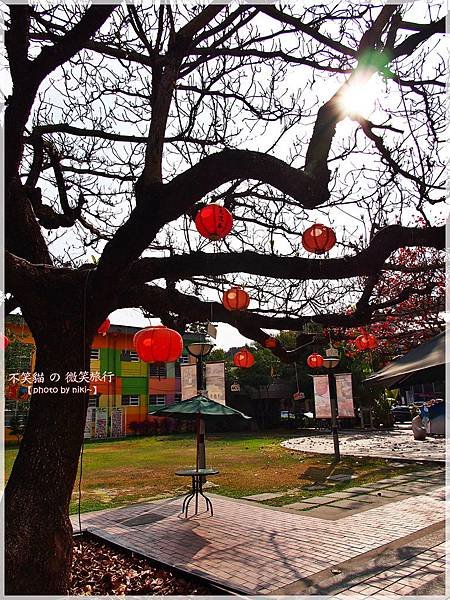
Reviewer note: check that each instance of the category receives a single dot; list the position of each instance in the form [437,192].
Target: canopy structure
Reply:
[198,405]
[423,364]
[199,408]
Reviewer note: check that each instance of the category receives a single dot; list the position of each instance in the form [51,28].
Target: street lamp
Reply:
[199,350]
[330,362]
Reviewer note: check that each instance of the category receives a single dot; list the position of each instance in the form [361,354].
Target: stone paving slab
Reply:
[318,500]
[341,495]
[353,504]
[255,549]
[262,497]
[398,444]
[388,493]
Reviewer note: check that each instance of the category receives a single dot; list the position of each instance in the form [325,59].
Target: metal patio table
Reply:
[197,488]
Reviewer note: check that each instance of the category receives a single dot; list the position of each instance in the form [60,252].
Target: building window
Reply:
[93,402]
[158,370]
[129,356]
[95,353]
[158,400]
[128,400]
[184,360]
[177,397]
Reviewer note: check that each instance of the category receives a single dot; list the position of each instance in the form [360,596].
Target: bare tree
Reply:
[122,120]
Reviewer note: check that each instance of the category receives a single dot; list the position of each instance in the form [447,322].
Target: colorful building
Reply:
[124,389]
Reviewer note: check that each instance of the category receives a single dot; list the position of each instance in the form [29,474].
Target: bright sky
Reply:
[227,336]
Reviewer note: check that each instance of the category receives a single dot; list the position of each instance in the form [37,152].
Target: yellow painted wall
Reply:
[134,369]
[110,401]
[95,365]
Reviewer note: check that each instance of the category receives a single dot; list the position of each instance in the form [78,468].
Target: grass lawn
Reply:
[138,469]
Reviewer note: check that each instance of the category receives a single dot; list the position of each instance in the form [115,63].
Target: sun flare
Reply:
[358,97]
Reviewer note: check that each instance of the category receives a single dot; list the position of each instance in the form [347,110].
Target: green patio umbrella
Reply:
[198,408]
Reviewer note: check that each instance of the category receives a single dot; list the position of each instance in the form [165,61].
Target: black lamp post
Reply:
[199,350]
[330,362]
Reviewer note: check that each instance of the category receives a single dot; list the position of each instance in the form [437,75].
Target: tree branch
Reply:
[368,262]
[162,95]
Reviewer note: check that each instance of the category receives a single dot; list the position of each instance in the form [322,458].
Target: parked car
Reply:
[401,414]
[285,414]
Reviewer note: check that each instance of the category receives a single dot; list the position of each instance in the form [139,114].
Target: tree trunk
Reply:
[38,533]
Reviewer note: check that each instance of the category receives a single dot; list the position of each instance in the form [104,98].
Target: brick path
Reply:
[402,579]
[259,550]
[398,443]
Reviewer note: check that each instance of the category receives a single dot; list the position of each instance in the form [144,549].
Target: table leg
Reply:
[186,500]
[208,501]
[197,484]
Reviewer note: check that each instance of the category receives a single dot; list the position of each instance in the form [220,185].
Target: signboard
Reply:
[344,395]
[215,381]
[211,330]
[90,416]
[322,397]
[188,381]
[298,396]
[116,423]
[101,421]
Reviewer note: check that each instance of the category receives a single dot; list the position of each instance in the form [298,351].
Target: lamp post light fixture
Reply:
[199,350]
[330,362]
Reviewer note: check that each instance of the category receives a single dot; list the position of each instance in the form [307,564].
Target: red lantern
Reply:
[214,221]
[236,299]
[318,239]
[314,361]
[103,329]
[270,343]
[158,344]
[244,359]
[361,342]
[366,342]
[4,341]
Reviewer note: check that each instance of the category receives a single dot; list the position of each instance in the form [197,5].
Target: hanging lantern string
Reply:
[296,376]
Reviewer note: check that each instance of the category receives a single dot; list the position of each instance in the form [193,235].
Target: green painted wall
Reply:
[170,370]
[134,385]
[110,361]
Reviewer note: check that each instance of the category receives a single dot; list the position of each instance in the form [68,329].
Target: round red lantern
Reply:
[372,341]
[244,359]
[366,342]
[214,221]
[4,341]
[314,361]
[318,239]
[361,342]
[104,327]
[270,343]
[158,344]
[236,299]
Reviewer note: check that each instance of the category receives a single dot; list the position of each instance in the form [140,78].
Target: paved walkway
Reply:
[398,443]
[254,549]
[404,579]
[337,505]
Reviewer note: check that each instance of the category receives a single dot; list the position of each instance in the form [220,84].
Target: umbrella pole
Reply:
[198,441]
